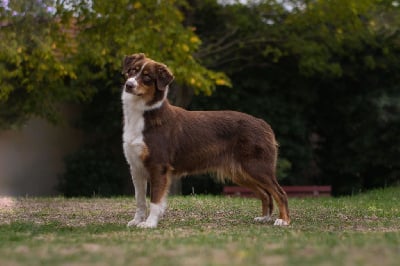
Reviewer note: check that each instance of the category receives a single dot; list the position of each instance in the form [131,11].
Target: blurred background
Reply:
[324,74]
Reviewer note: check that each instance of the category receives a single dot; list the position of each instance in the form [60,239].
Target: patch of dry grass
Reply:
[66,212]
[201,230]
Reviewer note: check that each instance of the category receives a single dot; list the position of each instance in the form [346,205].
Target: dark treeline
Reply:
[324,74]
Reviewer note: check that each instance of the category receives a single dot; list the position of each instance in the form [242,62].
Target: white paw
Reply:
[263,219]
[280,222]
[147,224]
[140,216]
[134,222]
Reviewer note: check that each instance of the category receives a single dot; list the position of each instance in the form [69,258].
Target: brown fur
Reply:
[234,145]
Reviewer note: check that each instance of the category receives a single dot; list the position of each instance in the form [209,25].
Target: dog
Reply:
[162,141]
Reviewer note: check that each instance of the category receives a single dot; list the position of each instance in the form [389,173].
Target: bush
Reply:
[94,172]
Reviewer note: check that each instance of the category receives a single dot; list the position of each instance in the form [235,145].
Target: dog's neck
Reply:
[159,103]
[159,116]
[132,102]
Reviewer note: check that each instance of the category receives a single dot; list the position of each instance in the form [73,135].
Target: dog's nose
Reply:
[130,85]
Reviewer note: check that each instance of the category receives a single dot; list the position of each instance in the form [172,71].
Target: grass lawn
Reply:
[201,230]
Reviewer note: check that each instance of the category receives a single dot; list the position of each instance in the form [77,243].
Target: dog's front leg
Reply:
[140,184]
[158,199]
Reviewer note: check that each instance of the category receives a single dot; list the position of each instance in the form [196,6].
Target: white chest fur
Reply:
[133,142]
[133,119]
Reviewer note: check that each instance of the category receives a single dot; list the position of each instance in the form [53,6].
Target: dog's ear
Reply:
[130,60]
[164,77]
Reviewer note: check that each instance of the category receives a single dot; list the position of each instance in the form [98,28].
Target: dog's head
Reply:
[146,79]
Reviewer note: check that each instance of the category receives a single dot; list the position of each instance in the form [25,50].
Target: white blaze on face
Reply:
[133,80]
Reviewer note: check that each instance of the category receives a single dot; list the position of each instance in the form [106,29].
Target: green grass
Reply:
[201,230]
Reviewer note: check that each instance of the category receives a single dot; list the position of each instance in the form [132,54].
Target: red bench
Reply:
[291,191]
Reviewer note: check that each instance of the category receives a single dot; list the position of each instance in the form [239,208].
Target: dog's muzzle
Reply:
[130,85]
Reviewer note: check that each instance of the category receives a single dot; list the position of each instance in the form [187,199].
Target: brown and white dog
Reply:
[162,141]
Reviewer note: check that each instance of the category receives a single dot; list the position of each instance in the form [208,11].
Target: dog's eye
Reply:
[133,71]
[146,78]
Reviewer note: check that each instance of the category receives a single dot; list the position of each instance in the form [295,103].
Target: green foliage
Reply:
[114,29]
[57,51]
[283,168]
[34,62]
[324,74]
[353,151]
[53,51]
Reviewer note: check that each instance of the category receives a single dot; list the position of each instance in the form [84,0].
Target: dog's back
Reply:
[217,141]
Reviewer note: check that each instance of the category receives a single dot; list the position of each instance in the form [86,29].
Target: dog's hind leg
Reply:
[267,182]
[272,187]
[274,190]
[267,206]
[281,198]
[244,179]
